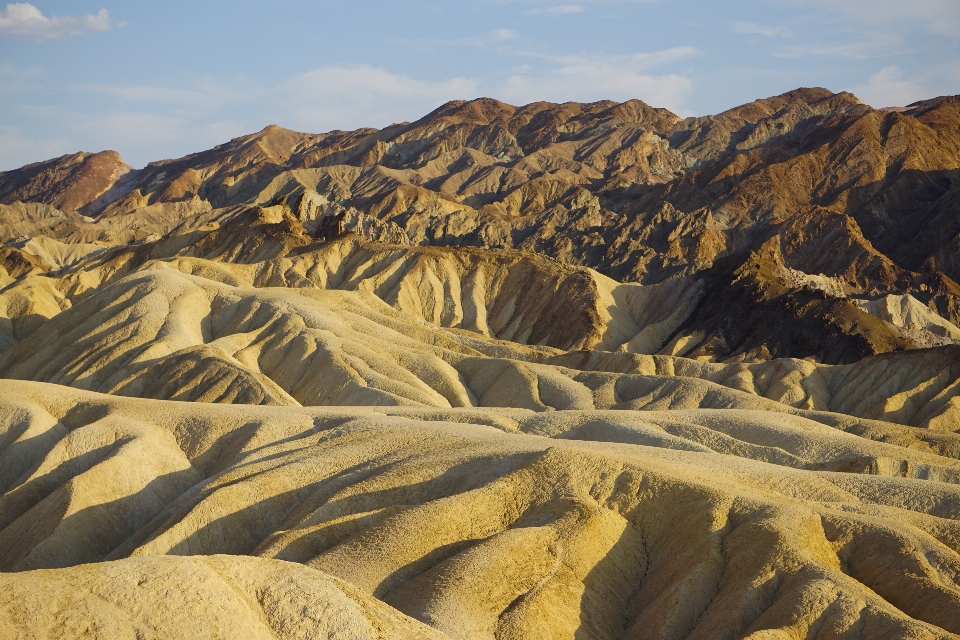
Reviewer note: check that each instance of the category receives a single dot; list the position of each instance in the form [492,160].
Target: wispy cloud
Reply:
[751,28]
[15,80]
[24,21]
[941,17]
[352,96]
[325,98]
[489,39]
[496,36]
[147,122]
[640,61]
[202,94]
[590,77]
[559,9]
[362,96]
[888,88]
[892,87]
[16,148]
[879,45]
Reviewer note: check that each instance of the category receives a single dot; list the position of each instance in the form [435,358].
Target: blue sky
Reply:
[155,80]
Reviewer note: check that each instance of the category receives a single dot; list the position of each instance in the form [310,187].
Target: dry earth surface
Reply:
[581,371]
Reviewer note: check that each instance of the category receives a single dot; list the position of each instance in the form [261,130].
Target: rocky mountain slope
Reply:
[552,371]
[790,209]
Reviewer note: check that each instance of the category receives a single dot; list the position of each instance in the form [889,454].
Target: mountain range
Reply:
[551,371]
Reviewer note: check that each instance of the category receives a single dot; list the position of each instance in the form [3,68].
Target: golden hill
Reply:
[480,523]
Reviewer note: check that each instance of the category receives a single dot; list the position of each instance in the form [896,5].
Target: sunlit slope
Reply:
[919,387]
[480,523]
[165,334]
[509,295]
[190,598]
[162,333]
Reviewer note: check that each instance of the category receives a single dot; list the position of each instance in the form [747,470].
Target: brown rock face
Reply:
[825,188]
[68,183]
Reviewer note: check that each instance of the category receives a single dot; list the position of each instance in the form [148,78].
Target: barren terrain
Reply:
[569,371]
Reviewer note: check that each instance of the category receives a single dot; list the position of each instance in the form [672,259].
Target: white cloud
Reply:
[880,45]
[331,97]
[937,16]
[489,39]
[16,149]
[750,28]
[588,78]
[149,122]
[352,96]
[365,80]
[888,88]
[24,21]
[356,96]
[560,9]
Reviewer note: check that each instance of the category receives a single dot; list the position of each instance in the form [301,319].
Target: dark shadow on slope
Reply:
[910,215]
[89,534]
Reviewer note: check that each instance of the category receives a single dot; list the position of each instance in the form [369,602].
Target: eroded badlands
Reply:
[480,523]
[555,371]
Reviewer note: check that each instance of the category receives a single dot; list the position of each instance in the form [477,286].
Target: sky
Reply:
[157,80]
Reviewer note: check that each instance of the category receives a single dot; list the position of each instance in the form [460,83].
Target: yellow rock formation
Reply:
[480,523]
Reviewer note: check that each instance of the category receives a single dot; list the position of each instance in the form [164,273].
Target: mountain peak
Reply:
[479,111]
[68,183]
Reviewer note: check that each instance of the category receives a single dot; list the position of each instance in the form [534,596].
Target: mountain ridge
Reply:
[811,183]
[555,371]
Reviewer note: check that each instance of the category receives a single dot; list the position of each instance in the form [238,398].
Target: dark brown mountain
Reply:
[68,183]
